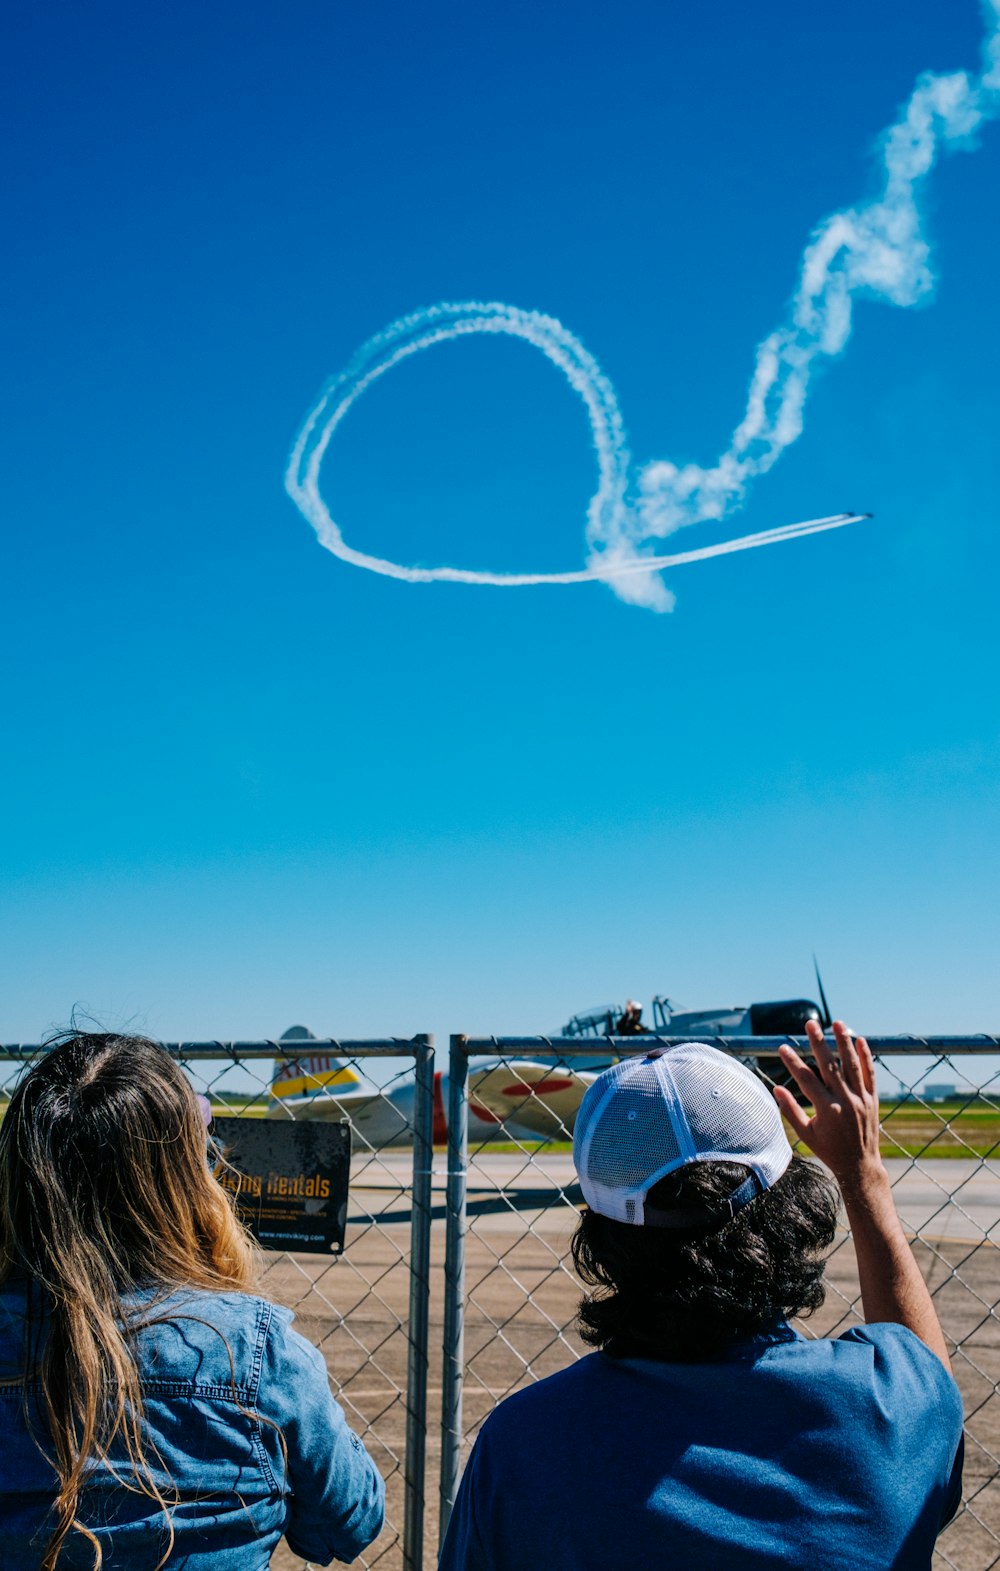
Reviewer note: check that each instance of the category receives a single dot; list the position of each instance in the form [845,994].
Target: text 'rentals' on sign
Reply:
[290,1181]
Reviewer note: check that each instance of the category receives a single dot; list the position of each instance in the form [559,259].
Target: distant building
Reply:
[940,1091]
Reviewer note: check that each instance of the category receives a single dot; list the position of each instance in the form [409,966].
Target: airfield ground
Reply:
[968,1127]
[941,1129]
[519,1230]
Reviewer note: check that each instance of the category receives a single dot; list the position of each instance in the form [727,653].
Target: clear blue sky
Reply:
[245,784]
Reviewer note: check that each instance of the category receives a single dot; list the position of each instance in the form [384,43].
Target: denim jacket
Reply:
[225,1380]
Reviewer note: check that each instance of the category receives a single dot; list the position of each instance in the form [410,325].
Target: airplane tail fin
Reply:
[314,1075]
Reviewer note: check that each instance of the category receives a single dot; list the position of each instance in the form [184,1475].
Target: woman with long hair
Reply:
[153,1410]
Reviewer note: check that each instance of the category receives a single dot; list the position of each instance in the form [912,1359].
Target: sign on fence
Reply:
[290,1181]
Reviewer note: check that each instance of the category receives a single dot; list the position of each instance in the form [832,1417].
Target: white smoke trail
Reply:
[876,249]
[435,326]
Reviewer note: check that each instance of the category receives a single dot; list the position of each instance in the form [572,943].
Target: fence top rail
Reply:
[369,1047]
[747,1046]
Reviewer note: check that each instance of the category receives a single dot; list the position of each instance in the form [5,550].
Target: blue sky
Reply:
[246,784]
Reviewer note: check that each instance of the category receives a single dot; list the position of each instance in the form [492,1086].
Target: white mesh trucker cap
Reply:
[644,1117]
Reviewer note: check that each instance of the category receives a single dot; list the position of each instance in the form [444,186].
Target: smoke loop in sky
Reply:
[876,249]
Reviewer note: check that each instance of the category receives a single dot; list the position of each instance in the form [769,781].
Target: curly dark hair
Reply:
[668,1296]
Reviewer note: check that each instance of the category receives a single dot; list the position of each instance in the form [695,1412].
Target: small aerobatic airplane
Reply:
[320,1086]
[545,1099]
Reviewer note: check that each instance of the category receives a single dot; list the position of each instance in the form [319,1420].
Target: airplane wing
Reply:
[528,1099]
[541,1098]
[376,1119]
[326,1088]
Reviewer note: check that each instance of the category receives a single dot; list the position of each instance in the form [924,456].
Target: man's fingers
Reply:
[826,1059]
[795,1115]
[821,1053]
[867,1063]
[807,1080]
[850,1062]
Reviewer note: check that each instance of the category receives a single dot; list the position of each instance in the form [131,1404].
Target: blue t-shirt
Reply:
[783,1454]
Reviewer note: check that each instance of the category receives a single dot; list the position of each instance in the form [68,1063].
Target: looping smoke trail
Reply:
[436,325]
[877,249]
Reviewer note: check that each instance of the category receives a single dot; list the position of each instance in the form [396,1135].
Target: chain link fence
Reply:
[510,1290]
[367,1308]
[504,1294]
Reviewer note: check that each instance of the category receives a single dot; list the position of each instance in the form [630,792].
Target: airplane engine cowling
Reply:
[784,1017]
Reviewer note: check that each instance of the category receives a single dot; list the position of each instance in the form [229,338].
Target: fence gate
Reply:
[511,1293]
[366,1309]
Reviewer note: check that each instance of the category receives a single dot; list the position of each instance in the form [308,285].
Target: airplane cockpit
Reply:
[777,1017]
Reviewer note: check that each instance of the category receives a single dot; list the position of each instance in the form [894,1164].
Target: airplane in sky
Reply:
[544,1098]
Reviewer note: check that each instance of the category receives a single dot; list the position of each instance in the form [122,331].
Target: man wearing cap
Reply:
[706,1434]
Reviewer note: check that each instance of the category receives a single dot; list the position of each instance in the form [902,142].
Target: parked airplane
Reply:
[545,1099]
[320,1086]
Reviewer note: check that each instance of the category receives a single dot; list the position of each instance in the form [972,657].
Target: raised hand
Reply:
[843,1132]
[844,1128]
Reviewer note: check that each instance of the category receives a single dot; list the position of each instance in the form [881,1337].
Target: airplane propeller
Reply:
[827,1020]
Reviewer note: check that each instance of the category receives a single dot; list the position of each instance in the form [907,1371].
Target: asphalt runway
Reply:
[945,1197]
[522,1298]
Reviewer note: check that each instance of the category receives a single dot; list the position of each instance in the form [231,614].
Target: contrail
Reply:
[875,249]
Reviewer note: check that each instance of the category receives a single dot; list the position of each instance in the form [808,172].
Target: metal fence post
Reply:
[454,1278]
[414,1466]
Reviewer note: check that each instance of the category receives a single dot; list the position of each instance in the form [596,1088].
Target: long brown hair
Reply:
[105,1189]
